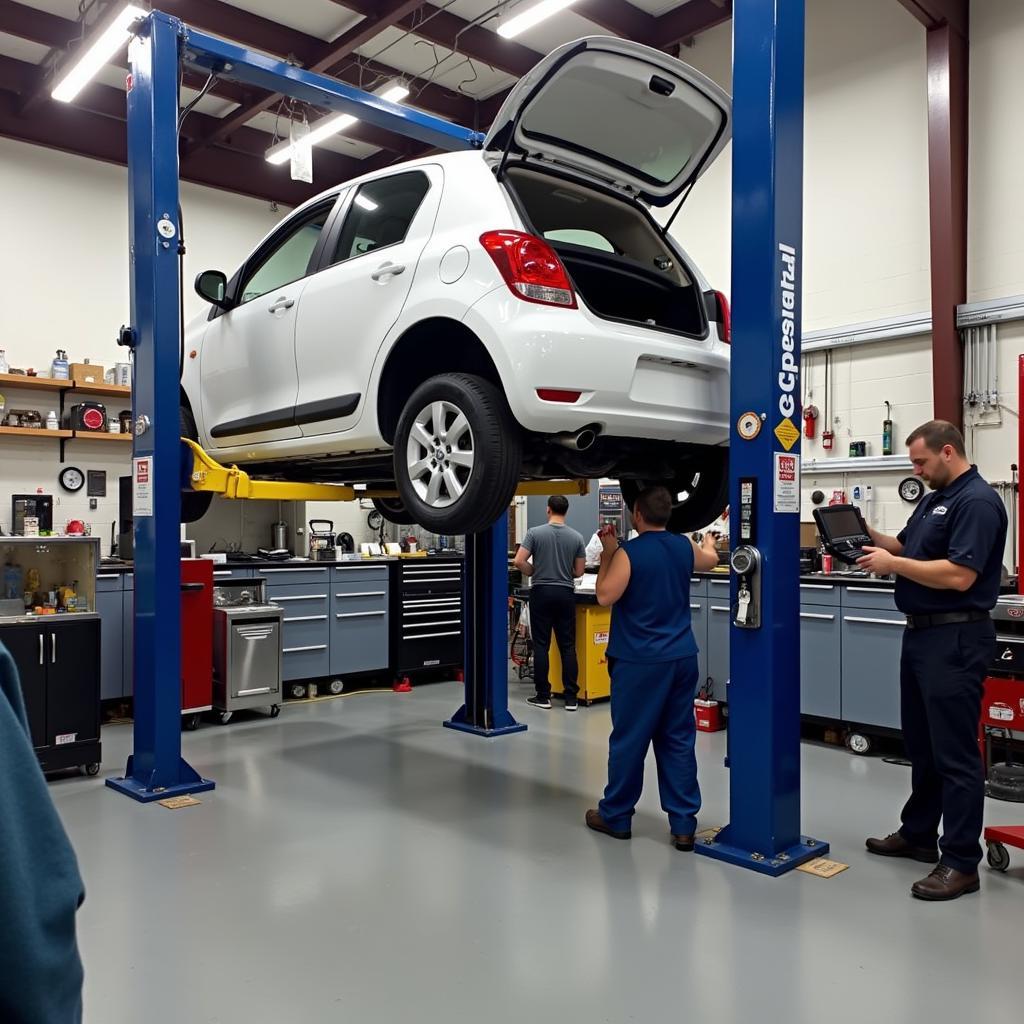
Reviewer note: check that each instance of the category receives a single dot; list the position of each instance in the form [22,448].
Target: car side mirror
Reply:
[212,285]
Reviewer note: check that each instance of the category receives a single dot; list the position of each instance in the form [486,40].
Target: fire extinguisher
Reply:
[887,431]
[827,436]
[810,419]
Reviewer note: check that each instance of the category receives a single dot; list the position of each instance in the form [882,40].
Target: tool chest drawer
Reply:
[375,573]
[309,575]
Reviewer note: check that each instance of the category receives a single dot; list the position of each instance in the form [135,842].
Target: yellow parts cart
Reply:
[592,625]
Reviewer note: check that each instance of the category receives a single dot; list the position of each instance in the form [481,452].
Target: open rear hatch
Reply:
[616,113]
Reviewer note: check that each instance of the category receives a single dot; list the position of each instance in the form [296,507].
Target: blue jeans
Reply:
[653,703]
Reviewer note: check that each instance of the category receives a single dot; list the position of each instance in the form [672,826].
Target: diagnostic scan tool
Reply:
[843,531]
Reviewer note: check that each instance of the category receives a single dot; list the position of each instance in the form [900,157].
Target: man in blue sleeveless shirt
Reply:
[652,657]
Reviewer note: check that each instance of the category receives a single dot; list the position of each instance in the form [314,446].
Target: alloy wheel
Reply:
[440,454]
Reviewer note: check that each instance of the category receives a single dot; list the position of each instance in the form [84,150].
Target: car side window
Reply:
[381,214]
[579,236]
[288,258]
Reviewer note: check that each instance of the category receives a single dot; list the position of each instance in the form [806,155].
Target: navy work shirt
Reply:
[651,621]
[966,523]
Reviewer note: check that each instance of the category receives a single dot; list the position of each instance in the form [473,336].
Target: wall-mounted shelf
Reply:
[111,390]
[64,388]
[17,380]
[864,464]
[98,435]
[35,432]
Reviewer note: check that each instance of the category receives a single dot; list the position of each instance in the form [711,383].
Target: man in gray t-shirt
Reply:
[553,556]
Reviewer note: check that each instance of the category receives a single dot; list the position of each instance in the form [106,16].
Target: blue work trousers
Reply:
[653,703]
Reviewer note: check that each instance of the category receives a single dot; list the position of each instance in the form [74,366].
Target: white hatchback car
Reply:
[452,325]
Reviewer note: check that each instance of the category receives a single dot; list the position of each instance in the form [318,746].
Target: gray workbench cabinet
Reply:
[359,619]
[820,647]
[872,639]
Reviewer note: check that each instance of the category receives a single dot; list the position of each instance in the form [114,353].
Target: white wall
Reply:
[866,239]
[64,264]
[865,165]
[995,227]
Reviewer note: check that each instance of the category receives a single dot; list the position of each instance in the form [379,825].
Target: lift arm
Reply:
[207,474]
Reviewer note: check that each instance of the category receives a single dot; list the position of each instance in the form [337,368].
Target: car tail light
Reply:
[724,318]
[558,395]
[716,305]
[530,267]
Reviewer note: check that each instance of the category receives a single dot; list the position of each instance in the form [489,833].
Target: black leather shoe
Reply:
[945,883]
[598,824]
[684,843]
[896,846]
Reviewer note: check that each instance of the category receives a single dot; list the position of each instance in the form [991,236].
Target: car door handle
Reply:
[388,270]
[281,303]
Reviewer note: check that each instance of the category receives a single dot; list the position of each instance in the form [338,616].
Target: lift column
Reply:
[485,625]
[767,219]
[156,770]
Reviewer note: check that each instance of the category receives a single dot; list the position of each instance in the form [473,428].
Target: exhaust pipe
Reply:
[579,441]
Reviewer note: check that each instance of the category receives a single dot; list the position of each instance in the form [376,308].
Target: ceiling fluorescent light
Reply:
[328,126]
[534,16]
[100,53]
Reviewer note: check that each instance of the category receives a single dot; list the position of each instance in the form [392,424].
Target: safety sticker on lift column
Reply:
[786,487]
[142,486]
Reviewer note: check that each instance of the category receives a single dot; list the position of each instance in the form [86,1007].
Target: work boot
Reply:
[683,843]
[598,824]
[945,883]
[895,845]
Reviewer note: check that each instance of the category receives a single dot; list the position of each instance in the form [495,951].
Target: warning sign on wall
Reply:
[787,483]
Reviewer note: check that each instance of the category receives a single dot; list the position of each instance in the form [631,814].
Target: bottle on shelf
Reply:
[60,368]
[3,361]
[51,420]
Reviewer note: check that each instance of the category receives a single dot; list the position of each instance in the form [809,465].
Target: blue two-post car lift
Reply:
[767,208]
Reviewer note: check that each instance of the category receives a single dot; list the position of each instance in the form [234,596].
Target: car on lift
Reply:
[449,326]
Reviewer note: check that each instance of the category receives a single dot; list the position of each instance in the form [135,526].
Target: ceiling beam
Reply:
[620,19]
[326,57]
[37,26]
[690,20]
[87,133]
[936,13]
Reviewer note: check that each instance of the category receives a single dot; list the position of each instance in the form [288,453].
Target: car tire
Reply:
[705,480]
[469,418]
[393,511]
[194,504]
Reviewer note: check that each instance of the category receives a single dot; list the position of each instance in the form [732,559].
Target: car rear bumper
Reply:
[634,382]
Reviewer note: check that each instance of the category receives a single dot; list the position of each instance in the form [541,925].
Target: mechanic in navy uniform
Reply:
[948,565]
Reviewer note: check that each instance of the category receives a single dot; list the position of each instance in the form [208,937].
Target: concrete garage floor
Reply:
[359,863]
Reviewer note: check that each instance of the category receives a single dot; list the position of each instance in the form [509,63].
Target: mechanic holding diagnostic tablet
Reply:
[948,563]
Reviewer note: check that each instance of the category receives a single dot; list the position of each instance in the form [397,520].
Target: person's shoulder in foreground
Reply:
[40,886]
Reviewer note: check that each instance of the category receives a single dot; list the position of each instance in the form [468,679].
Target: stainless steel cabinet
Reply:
[717,665]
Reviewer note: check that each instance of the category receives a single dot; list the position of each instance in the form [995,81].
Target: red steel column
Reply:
[947,190]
